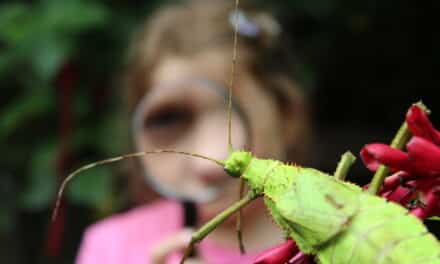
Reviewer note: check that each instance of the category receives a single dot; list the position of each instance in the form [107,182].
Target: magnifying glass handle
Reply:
[190,218]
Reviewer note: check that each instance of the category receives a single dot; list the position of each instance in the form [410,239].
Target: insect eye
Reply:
[166,125]
[232,173]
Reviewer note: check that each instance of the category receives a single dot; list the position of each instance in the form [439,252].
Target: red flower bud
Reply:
[376,153]
[301,258]
[430,207]
[424,157]
[279,254]
[420,126]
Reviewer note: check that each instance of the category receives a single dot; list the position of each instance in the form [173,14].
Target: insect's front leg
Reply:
[207,228]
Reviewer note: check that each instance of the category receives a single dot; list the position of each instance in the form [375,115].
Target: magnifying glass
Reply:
[188,115]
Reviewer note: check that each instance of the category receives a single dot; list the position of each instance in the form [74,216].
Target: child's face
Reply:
[186,109]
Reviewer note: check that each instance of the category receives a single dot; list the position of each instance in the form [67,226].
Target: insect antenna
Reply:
[116,159]
[230,146]
[231,83]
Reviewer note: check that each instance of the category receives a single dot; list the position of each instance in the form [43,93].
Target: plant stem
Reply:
[347,159]
[400,139]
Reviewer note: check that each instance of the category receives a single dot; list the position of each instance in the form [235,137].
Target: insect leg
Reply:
[238,227]
[200,234]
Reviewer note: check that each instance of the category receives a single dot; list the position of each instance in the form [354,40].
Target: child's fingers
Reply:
[194,261]
[163,249]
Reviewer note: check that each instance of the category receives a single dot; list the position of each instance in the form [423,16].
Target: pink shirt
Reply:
[128,238]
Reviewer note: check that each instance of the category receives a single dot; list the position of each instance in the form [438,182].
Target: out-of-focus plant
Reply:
[37,40]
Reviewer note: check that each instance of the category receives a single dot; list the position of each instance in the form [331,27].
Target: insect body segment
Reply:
[335,220]
[382,232]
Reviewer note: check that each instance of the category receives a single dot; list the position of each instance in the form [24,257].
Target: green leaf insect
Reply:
[335,220]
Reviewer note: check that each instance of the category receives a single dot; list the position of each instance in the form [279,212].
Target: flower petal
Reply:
[395,180]
[301,258]
[420,125]
[430,208]
[424,156]
[376,153]
[400,195]
[279,254]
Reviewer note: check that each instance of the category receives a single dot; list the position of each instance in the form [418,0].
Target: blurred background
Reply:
[364,63]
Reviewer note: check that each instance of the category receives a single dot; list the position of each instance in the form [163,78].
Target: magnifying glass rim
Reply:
[137,123]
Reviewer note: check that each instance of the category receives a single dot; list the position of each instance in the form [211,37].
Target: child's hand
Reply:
[174,243]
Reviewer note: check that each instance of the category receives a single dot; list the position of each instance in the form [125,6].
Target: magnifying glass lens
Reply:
[187,116]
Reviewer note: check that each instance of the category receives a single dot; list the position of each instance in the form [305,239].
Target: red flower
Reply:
[420,125]
[286,252]
[416,183]
[424,156]
[376,154]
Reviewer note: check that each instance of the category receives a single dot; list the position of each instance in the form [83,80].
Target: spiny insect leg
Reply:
[238,227]
[207,228]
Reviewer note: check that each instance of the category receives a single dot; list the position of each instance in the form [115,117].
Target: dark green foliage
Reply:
[38,39]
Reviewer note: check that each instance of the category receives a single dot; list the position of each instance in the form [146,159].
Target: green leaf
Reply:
[30,105]
[92,188]
[40,188]
[13,20]
[45,34]
[434,218]
[50,53]
[113,127]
